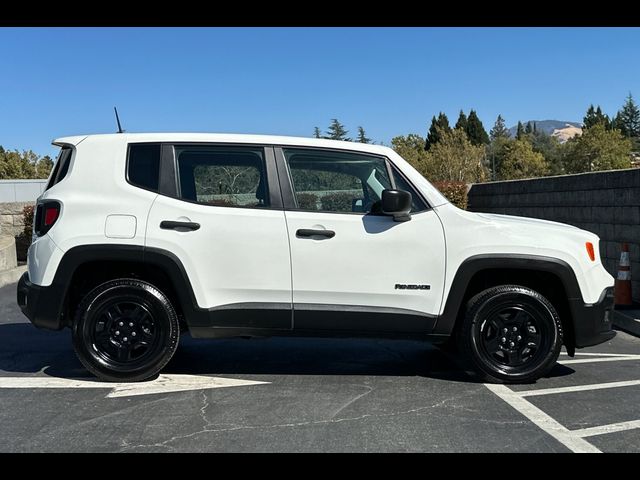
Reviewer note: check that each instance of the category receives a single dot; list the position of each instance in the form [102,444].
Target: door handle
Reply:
[174,225]
[309,232]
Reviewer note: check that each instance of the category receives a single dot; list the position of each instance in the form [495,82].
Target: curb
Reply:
[12,275]
[627,320]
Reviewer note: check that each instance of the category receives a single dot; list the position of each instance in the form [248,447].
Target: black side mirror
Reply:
[397,203]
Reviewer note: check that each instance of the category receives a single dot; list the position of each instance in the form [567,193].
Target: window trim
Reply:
[286,182]
[170,183]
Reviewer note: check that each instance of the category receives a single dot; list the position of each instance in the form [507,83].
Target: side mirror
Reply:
[397,203]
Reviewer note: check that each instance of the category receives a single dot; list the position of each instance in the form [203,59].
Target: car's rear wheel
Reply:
[510,334]
[125,330]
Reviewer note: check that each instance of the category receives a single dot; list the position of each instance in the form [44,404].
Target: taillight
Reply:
[47,214]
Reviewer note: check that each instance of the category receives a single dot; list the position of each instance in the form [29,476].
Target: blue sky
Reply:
[64,81]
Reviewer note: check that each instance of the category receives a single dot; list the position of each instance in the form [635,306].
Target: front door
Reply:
[352,267]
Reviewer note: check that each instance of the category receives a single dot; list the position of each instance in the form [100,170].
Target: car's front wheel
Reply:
[125,330]
[510,334]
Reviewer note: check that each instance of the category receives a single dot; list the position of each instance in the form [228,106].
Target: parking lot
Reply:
[310,395]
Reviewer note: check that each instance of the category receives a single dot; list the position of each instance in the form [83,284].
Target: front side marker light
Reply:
[590,251]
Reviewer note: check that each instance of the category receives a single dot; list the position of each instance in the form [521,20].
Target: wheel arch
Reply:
[552,277]
[83,268]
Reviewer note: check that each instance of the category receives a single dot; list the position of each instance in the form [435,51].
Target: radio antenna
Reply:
[120,130]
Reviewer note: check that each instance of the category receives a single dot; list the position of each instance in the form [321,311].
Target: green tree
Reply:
[362,137]
[520,131]
[628,119]
[411,148]
[528,129]
[438,125]
[499,129]
[316,133]
[336,131]
[595,116]
[597,149]
[44,167]
[475,130]
[550,148]
[454,158]
[462,122]
[518,160]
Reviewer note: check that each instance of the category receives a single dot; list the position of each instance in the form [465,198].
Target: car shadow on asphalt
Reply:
[25,349]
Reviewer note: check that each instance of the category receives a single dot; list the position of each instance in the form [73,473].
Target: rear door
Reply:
[225,223]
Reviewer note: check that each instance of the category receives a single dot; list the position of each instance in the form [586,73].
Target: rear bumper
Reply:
[41,305]
[593,323]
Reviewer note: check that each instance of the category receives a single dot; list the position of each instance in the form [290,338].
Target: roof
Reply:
[227,138]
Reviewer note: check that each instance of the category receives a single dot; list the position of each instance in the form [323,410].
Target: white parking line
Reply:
[597,360]
[577,388]
[591,354]
[573,442]
[603,429]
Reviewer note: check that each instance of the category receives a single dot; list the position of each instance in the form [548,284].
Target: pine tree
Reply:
[520,131]
[499,129]
[316,133]
[628,119]
[440,123]
[529,129]
[595,116]
[462,122]
[475,130]
[535,128]
[336,131]
[362,137]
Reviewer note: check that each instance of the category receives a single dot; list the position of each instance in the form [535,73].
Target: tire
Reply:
[510,334]
[125,330]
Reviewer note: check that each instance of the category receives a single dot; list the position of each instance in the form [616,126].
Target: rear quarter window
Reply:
[143,165]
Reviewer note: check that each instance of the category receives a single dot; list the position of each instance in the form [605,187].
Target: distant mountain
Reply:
[547,126]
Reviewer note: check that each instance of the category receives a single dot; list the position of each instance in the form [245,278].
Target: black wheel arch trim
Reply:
[477,263]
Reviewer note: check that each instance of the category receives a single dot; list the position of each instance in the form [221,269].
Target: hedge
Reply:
[456,192]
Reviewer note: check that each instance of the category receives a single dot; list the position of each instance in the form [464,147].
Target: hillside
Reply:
[547,126]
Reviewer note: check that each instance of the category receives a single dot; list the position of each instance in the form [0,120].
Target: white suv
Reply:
[141,236]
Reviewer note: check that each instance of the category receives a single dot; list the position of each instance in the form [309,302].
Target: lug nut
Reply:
[121,324]
[117,332]
[515,329]
[503,340]
[133,334]
[511,344]
[519,337]
[505,330]
[131,324]
[125,339]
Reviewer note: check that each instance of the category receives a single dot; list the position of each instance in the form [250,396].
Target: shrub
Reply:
[337,202]
[456,192]
[27,214]
[307,201]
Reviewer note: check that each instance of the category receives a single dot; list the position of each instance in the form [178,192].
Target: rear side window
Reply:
[223,176]
[143,165]
[61,168]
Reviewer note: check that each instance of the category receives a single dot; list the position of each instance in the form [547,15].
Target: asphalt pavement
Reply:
[309,395]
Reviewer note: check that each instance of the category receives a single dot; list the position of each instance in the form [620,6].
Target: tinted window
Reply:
[61,167]
[335,181]
[223,176]
[417,205]
[144,165]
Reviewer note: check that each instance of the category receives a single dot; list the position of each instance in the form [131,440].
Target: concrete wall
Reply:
[21,190]
[11,219]
[606,203]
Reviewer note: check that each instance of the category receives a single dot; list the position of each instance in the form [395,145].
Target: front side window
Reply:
[222,176]
[341,182]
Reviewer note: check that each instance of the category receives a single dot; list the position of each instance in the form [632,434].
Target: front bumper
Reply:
[593,322]
[41,305]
